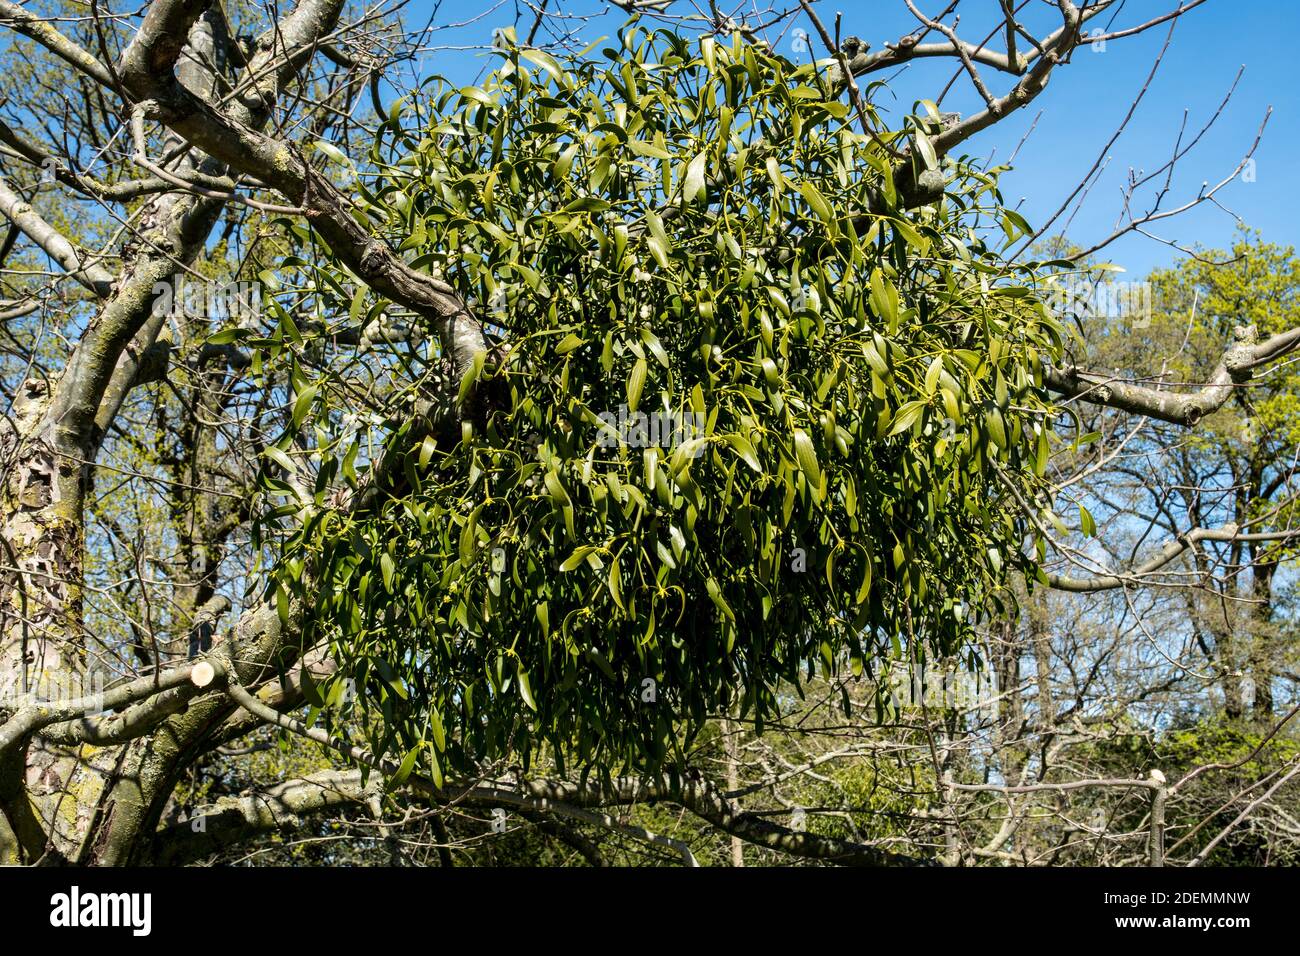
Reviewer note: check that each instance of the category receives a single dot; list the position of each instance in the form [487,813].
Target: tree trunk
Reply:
[1262,670]
[47,792]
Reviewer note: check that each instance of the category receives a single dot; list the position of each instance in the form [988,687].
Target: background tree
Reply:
[365,496]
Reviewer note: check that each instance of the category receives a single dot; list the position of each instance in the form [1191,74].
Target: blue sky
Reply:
[1080,110]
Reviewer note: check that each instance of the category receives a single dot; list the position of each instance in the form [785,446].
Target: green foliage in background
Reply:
[1238,758]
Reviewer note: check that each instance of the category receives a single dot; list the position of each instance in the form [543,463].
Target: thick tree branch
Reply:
[1233,372]
[1164,557]
[34,26]
[235,819]
[32,717]
[283,166]
[77,264]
